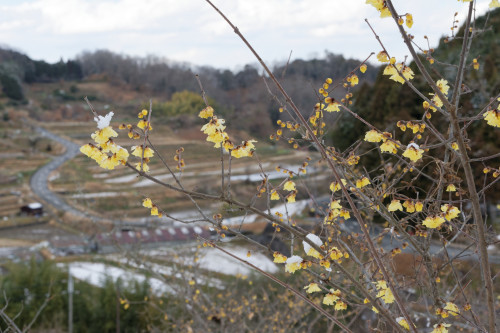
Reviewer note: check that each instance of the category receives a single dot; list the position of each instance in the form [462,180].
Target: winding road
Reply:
[39,180]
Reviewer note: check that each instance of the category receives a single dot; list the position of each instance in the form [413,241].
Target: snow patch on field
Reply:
[217,261]
[97,273]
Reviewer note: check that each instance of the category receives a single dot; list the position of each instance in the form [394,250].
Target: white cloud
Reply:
[190,30]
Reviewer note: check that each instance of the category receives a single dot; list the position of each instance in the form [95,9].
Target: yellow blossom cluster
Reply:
[388,145]
[293,264]
[492,117]
[384,292]
[381,6]
[360,183]
[393,72]
[433,222]
[441,328]
[312,288]
[309,250]
[335,186]
[105,152]
[149,204]
[244,150]
[449,309]
[412,207]
[333,298]
[413,152]
[144,153]
[395,205]
[331,105]
[401,321]
[214,130]
[450,212]
[279,258]
[335,212]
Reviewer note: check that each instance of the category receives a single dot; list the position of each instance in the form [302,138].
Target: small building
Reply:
[32,209]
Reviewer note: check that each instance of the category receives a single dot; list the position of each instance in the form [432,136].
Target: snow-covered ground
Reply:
[217,261]
[209,259]
[97,273]
[94,195]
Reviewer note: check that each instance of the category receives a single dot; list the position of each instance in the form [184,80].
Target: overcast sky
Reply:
[191,31]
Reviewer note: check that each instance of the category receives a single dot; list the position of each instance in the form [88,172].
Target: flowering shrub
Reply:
[423,190]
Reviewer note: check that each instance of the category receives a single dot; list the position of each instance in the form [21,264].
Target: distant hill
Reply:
[241,96]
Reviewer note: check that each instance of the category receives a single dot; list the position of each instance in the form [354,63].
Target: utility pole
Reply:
[71,289]
[118,304]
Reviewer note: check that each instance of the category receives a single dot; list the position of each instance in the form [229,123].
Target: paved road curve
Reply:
[39,180]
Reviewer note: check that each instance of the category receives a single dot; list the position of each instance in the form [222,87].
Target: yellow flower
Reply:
[492,117]
[380,6]
[451,211]
[451,188]
[332,105]
[363,68]
[308,249]
[382,56]
[293,264]
[147,203]
[103,135]
[413,152]
[340,306]
[206,112]
[279,258]
[244,150]
[409,20]
[137,151]
[145,166]
[218,138]
[312,287]
[409,205]
[334,186]
[440,328]
[395,205]
[289,186]
[384,292]
[401,321]
[91,151]
[109,162]
[443,86]
[352,159]
[389,147]
[494,3]
[345,214]
[143,123]
[335,253]
[360,183]
[454,145]
[433,222]
[394,75]
[154,210]
[374,136]
[213,125]
[475,64]
[291,197]
[452,309]
[275,195]
[331,297]
[354,80]
[335,204]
